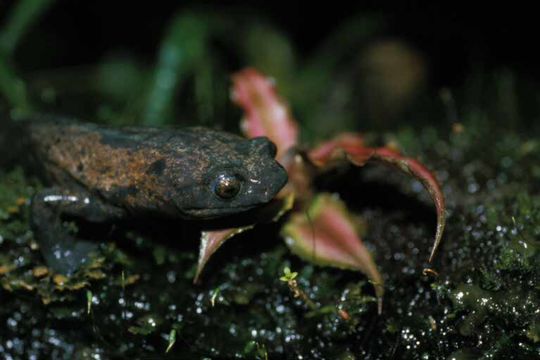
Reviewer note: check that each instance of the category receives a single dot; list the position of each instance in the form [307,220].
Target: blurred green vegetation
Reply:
[356,78]
[484,304]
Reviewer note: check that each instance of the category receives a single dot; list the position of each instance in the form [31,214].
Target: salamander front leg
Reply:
[62,251]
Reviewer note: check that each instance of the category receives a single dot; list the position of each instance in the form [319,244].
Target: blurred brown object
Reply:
[392,74]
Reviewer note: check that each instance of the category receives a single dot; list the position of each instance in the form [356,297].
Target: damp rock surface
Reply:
[137,299]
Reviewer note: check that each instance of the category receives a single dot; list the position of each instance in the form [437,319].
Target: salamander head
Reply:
[233,176]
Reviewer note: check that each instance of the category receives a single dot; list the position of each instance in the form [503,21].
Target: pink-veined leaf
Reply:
[326,235]
[265,113]
[351,146]
[301,174]
[211,241]
[428,180]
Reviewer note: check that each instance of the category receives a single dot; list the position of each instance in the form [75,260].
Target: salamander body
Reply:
[101,174]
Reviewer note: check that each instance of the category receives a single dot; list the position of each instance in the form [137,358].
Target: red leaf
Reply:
[326,235]
[210,242]
[351,146]
[348,145]
[266,114]
[428,180]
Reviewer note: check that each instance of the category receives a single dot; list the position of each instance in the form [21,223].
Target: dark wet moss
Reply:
[483,305]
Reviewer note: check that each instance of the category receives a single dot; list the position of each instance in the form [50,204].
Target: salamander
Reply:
[103,174]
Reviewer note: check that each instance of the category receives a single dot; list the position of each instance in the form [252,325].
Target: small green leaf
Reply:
[215,294]
[288,275]
[172,340]
[88,301]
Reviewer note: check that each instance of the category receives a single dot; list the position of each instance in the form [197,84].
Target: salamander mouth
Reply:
[236,216]
[216,212]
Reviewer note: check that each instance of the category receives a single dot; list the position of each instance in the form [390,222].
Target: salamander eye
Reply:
[227,186]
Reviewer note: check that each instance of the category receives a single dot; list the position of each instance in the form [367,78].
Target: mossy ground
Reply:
[483,305]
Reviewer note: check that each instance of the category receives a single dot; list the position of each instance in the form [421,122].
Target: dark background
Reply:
[486,58]
[454,37]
